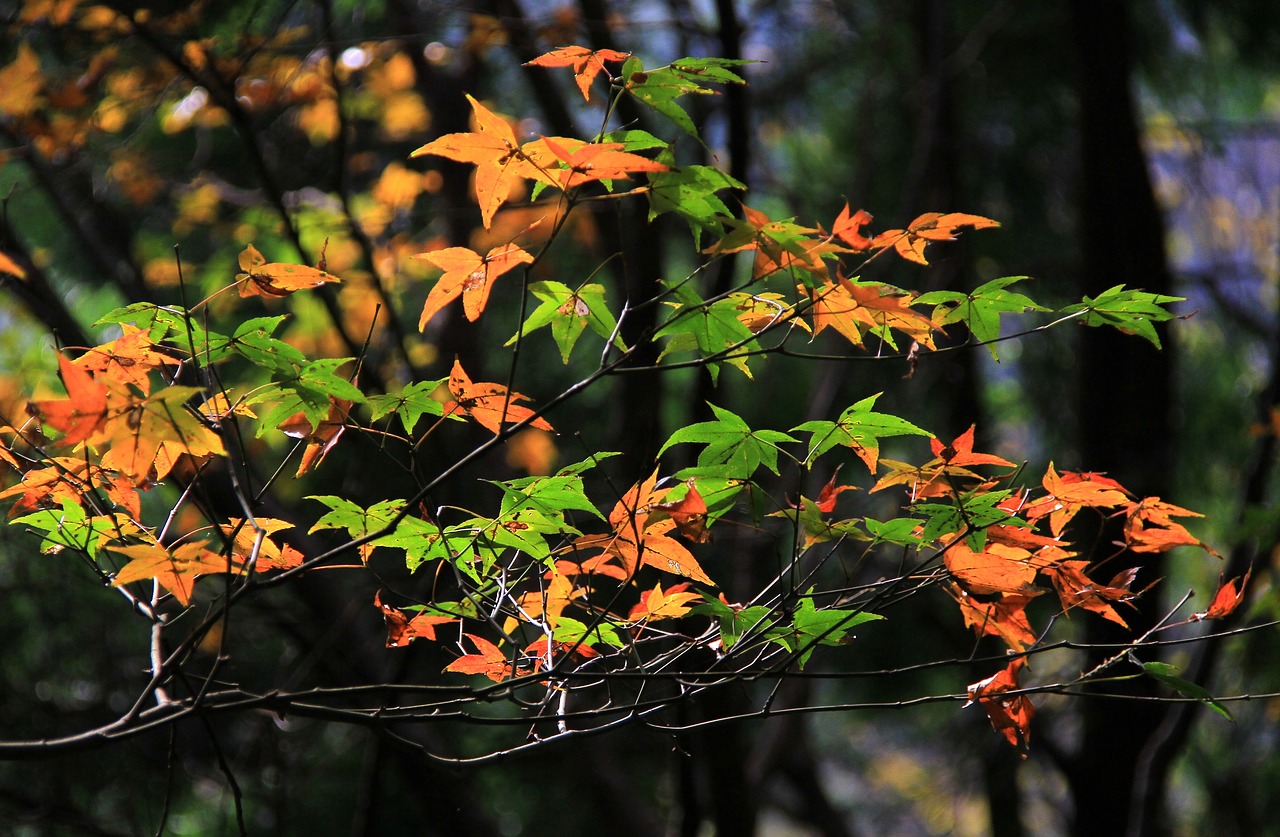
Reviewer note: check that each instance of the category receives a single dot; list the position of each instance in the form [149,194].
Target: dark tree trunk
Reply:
[1124,397]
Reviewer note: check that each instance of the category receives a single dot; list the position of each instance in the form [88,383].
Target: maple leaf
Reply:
[859,428]
[271,556]
[589,162]
[996,569]
[960,452]
[549,603]
[826,501]
[82,413]
[981,308]
[70,478]
[1070,492]
[489,404]
[1149,527]
[853,308]
[468,275]
[931,226]
[176,570]
[544,649]
[322,438]
[848,228]
[20,84]
[489,661]
[276,279]
[943,474]
[636,539]
[658,604]
[1001,614]
[145,437]
[1075,589]
[779,245]
[1226,600]
[689,513]
[586,63]
[1010,715]
[498,157]
[1132,311]
[128,359]
[401,629]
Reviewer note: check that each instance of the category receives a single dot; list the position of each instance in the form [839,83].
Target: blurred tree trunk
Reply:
[1124,397]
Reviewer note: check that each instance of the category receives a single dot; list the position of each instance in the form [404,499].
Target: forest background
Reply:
[1115,143]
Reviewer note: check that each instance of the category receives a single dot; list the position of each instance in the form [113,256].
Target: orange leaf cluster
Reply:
[501,161]
[141,436]
[639,537]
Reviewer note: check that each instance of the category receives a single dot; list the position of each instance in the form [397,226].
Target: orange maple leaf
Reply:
[322,438]
[489,661]
[586,63]
[997,569]
[1227,599]
[1068,493]
[689,513]
[960,452]
[931,226]
[128,359]
[1002,614]
[499,159]
[854,308]
[848,228]
[545,648]
[70,478]
[1149,527]
[589,162]
[175,569]
[637,539]
[827,495]
[1010,715]
[276,279]
[468,275]
[82,413]
[1075,589]
[271,556]
[657,603]
[779,245]
[489,404]
[401,630]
